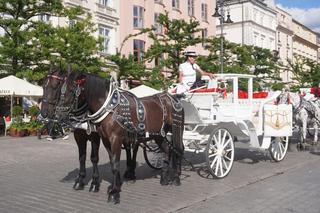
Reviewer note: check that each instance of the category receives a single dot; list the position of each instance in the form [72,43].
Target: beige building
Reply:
[138,14]
[284,43]
[304,42]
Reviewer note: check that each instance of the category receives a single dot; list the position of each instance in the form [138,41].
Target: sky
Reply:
[306,12]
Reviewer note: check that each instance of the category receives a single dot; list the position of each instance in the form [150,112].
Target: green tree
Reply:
[166,48]
[306,72]
[30,45]
[17,21]
[73,44]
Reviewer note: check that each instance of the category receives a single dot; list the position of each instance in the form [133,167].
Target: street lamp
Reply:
[220,13]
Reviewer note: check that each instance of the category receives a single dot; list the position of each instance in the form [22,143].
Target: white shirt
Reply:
[189,73]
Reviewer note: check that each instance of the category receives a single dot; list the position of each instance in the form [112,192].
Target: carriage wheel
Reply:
[220,153]
[278,148]
[153,155]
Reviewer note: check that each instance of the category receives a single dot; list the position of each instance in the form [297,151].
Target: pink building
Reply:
[137,14]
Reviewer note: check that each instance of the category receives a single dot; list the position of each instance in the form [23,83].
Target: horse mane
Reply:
[94,85]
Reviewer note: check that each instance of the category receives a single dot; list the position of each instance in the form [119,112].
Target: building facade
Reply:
[105,16]
[138,14]
[305,42]
[284,43]
[254,23]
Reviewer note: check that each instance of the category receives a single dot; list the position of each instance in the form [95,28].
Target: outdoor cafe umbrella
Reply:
[16,87]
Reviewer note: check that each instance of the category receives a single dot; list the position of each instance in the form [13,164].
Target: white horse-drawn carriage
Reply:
[216,118]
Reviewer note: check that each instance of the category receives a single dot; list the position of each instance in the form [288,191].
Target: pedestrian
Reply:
[188,73]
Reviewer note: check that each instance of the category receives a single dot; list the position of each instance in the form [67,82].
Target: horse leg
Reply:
[114,156]
[177,158]
[95,144]
[131,162]
[164,178]
[315,126]
[81,140]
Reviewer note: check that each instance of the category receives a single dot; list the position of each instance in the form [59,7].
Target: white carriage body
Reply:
[214,120]
[254,120]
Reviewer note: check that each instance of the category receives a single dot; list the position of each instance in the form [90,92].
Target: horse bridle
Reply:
[76,91]
[53,102]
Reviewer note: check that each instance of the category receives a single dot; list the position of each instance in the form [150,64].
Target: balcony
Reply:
[105,10]
[74,2]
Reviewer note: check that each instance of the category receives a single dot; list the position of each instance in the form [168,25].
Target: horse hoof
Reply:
[78,186]
[94,188]
[176,181]
[164,181]
[115,198]
[129,176]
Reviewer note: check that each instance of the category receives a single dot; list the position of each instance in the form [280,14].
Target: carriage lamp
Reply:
[220,12]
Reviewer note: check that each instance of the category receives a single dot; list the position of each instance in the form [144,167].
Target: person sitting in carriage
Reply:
[188,73]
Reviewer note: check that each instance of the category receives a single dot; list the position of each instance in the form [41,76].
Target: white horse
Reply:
[305,113]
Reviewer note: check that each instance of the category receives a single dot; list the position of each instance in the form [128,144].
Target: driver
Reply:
[188,73]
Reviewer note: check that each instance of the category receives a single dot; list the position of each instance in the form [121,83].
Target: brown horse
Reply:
[123,119]
[52,90]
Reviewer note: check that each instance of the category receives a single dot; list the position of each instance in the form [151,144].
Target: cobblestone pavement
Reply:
[38,175]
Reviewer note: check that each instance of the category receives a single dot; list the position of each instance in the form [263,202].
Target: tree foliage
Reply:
[168,46]
[30,45]
[18,23]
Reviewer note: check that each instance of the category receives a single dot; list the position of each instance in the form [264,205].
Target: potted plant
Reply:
[34,126]
[17,112]
[33,112]
[18,129]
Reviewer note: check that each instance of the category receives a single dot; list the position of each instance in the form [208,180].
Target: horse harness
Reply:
[310,108]
[118,102]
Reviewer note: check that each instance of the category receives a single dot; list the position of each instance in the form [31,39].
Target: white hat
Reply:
[191,53]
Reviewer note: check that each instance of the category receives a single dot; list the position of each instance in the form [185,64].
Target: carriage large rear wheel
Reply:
[278,148]
[153,155]
[220,153]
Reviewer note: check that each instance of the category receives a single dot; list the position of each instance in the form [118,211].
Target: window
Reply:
[158,60]
[191,7]
[138,49]
[104,34]
[175,4]
[138,14]
[158,1]
[204,35]
[204,12]
[44,17]
[72,23]
[103,2]
[158,27]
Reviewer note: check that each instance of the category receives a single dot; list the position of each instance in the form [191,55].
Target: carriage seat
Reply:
[244,95]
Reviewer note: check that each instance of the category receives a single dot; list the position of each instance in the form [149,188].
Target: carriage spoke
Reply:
[213,162]
[223,139]
[227,157]
[224,163]
[228,141]
[213,155]
[219,137]
[221,166]
[216,140]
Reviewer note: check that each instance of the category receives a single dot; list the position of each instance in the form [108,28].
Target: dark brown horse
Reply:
[52,91]
[123,119]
